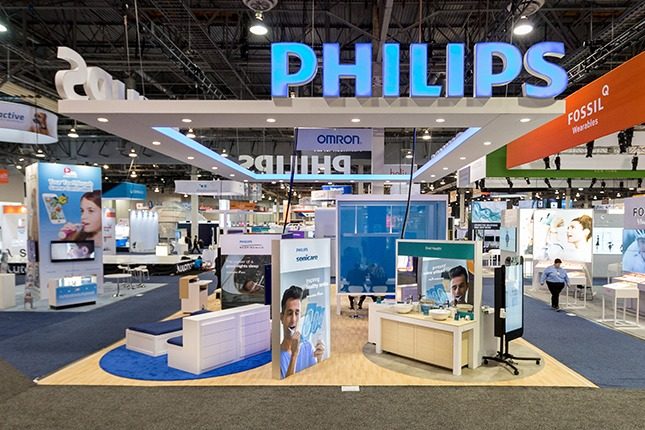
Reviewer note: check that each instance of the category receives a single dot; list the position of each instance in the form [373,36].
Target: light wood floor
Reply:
[346,366]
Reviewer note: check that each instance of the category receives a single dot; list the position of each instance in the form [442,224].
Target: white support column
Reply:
[378,158]
[194,210]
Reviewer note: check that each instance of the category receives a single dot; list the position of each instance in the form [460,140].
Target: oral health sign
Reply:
[301,270]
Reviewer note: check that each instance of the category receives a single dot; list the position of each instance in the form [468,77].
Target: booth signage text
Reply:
[304,164]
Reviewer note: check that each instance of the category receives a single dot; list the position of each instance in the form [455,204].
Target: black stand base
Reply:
[508,359]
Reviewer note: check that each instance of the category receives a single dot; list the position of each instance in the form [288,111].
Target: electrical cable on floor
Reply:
[407,205]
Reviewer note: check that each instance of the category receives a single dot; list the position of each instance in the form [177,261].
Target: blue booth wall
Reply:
[367,234]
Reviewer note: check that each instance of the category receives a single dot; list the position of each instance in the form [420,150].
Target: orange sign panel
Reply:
[611,103]
[4,176]
[14,209]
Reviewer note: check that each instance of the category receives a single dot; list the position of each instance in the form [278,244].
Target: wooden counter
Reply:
[446,343]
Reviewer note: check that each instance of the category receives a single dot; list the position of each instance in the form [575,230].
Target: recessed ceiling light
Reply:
[214,167]
[132,155]
[462,158]
[356,120]
[232,175]
[246,180]
[488,143]
[580,189]
[191,134]
[525,120]
[72,133]
[426,135]
[105,166]
[18,166]
[186,120]
[190,157]
[433,176]
[273,182]
[156,143]
[101,119]
[445,168]
[21,159]
[271,120]
[440,120]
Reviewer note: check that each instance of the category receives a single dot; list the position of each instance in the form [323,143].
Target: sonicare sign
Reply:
[535,61]
[334,139]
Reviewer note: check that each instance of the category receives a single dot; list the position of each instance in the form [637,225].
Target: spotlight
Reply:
[635,162]
[547,182]
[426,135]
[547,165]
[557,162]
[509,182]
[528,181]
[593,182]
[589,149]
[190,134]
[569,182]
[522,27]
[258,28]
[72,133]
[603,184]
[3,28]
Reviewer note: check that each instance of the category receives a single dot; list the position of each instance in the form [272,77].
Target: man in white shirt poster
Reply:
[556,278]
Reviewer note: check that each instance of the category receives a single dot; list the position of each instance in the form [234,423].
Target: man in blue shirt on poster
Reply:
[556,278]
[296,353]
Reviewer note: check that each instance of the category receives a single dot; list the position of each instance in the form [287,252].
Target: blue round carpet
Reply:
[133,365]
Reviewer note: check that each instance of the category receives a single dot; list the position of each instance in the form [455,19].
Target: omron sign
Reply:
[534,61]
[334,139]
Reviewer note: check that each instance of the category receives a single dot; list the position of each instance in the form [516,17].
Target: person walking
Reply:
[556,278]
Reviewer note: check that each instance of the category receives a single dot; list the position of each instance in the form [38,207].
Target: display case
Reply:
[72,291]
[367,230]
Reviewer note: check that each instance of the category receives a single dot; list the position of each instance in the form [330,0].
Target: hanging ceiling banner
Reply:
[611,103]
[27,124]
[218,188]
[334,139]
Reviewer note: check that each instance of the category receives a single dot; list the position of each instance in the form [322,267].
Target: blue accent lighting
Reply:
[419,72]
[391,73]
[280,76]
[455,70]
[333,71]
[536,64]
[485,79]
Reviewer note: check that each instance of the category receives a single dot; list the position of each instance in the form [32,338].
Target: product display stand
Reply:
[504,357]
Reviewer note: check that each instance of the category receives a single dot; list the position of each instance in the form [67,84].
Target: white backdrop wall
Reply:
[144,231]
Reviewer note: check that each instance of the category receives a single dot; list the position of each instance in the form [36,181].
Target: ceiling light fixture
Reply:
[258,27]
[445,168]
[156,189]
[522,27]
[440,120]
[488,143]
[232,175]
[214,168]
[191,134]
[105,166]
[356,120]
[271,120]
[18,166]
[133,174]
[72,133]
[426,135]
[409,155]
[3,28]
[156,143]
[525,120]
[190,157]
[132,155]
[102,119]
[462,158]
[186,120]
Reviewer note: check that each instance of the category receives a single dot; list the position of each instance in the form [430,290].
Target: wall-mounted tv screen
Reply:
[63,250]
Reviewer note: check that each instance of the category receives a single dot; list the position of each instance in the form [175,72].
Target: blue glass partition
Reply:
[367,234]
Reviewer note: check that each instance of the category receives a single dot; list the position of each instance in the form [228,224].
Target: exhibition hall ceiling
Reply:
[192,49]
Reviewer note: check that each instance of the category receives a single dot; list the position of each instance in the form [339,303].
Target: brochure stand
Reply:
[509,314]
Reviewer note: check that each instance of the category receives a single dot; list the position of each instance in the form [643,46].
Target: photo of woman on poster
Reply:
[91,225]
[565,234]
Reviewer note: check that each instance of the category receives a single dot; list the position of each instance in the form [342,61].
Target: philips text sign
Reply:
[338,140]
[534,61]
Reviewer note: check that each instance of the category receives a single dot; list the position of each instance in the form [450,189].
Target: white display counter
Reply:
[7,290]
[621,290]
[446,343]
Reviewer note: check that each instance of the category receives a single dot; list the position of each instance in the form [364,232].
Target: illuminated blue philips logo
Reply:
[534,61]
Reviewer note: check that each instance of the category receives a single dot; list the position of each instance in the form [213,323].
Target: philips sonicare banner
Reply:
[336,140]
[485,78]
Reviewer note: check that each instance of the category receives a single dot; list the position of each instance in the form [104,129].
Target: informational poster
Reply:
[27,124]
[244,258]
[634,250]
[487,212]
[507,239]
[450,271]
[608,240]
[525,232]
[563,233]
[301,270]
[109,231]
[68,201]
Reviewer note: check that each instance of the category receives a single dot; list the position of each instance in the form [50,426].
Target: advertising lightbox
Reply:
[301,327]
[563,233]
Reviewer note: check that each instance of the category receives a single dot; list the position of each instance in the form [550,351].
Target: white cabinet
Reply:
[7,290]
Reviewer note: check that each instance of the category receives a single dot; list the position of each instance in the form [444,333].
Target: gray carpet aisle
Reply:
[606,357]
[41,349]
[443,408]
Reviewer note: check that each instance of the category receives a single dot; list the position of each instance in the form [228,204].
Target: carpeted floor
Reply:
[40,349]
[322,407]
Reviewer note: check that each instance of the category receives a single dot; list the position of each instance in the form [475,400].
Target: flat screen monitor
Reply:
[509,296]
[64,250]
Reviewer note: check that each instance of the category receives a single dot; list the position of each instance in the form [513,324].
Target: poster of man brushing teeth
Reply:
[301,312]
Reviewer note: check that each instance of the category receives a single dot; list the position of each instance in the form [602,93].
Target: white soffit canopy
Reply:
[494,120]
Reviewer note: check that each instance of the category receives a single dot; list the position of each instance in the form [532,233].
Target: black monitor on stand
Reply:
[509,313]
